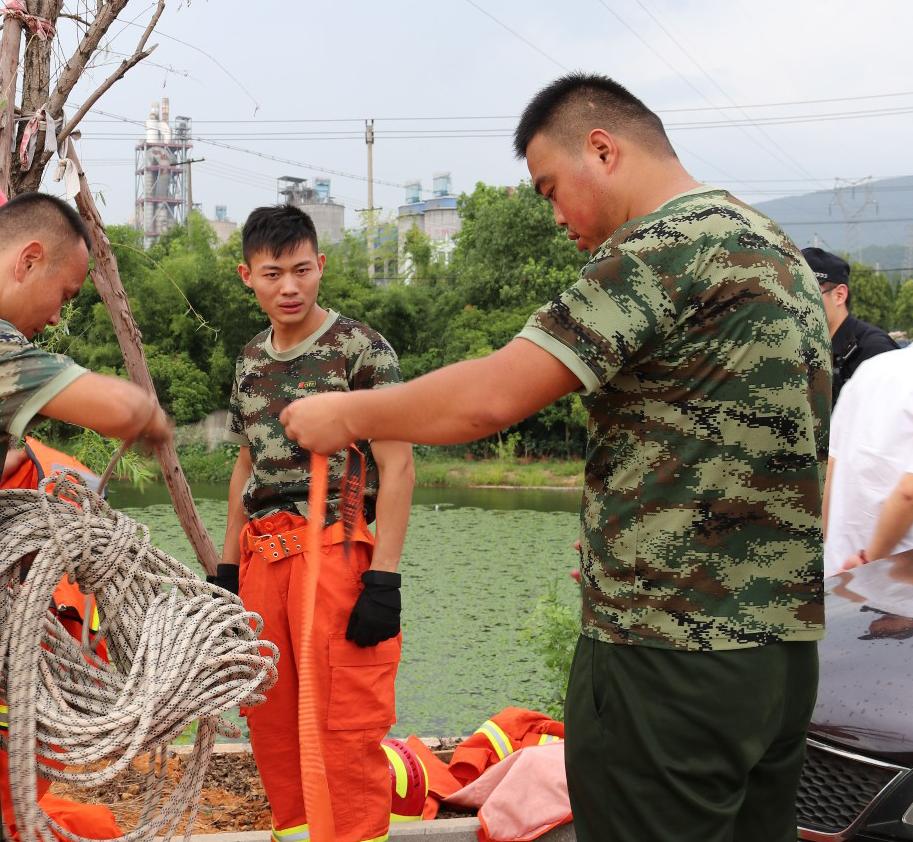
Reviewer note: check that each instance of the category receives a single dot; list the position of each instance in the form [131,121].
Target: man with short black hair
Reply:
[697,336]
[356,622]
[853,340]
[44,258]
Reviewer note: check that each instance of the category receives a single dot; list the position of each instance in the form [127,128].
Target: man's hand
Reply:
[318,423]
[12,463]
[375,616]
[159,428]
[856,560]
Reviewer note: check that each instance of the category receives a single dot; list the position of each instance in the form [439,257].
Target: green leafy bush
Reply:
[552,633]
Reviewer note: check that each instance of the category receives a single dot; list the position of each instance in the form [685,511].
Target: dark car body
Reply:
[857,783]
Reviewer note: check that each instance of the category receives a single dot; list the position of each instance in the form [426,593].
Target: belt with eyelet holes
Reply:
[278,545]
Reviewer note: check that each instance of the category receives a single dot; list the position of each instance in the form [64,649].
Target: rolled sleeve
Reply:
[616,308]
[41,397]
[231,437]
[235,432]
[377,366]
[29,378]
[563,353]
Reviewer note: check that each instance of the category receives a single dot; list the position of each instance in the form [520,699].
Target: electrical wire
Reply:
[505,131]
[517,35]
[713,81]
[688,82]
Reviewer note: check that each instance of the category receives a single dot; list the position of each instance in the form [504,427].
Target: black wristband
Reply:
[226,577]
[381,578]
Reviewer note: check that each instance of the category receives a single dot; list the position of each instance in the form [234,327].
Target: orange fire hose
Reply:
[314,785]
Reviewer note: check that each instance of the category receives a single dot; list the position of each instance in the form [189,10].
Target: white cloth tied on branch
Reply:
[66,171]
[180,650]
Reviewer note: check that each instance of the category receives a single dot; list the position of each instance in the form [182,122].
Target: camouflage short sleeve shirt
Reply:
[341,356]
[29,378]
[699,335]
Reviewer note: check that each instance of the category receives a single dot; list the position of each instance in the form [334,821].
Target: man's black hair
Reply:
[276,230]
[34,214]
[572,105]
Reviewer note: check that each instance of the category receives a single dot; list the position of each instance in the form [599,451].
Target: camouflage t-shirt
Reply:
[29,378]
[340,356]
[699,335]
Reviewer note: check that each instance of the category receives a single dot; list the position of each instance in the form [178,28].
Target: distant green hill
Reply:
[872,222]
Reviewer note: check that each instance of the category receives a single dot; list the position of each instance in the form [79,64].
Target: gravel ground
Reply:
[232,796]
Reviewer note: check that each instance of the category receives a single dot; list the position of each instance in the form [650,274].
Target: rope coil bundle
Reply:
[180,650]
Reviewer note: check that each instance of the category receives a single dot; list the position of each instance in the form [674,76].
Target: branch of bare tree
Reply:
[108,284]
[73,69]
[139,53]
[77,18]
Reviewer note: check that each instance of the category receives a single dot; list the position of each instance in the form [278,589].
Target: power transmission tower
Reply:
[852,198]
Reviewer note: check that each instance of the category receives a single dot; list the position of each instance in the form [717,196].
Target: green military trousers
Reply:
[674,746]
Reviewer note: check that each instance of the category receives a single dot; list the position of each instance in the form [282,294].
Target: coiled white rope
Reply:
[180,650]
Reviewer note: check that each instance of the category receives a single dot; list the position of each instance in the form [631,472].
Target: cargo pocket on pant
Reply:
[362,683]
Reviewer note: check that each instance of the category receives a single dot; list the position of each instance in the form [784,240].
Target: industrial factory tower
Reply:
[162,164]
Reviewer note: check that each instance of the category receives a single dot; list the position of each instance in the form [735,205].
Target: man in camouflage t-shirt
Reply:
[356,642]
[44,257]
[697,336]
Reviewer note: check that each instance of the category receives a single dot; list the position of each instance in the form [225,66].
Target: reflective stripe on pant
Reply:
[357,688]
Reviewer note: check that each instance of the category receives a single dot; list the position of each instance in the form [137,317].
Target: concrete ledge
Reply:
[442,830]
[456,830]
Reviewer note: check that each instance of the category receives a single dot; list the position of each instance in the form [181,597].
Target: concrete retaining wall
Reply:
[442,830]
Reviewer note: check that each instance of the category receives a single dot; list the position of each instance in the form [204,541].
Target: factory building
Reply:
[161,173]
[316,201]
[437,217]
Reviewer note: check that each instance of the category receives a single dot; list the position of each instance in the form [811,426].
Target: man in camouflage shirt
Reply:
[44,257]
[356,623]
[697,336]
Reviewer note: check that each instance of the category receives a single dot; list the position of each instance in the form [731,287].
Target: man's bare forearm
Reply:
[894,521]
[394,502]
[237,517]
[459,403]
[448,406]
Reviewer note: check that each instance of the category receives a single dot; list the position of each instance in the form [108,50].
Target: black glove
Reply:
[226,577]
[375,616]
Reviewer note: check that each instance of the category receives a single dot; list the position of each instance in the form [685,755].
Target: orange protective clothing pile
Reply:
[511,769]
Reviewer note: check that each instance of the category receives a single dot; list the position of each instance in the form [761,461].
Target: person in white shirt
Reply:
[868,494]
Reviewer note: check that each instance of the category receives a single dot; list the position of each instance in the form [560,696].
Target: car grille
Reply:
[836,787]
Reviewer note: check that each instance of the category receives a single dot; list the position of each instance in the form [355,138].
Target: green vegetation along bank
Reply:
[433,468]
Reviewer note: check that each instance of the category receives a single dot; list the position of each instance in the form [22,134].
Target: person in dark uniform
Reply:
[852,340]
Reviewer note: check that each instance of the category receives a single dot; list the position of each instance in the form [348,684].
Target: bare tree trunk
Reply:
[36,91]
[109,286]
[9,62]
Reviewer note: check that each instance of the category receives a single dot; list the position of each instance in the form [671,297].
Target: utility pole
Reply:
[9,63]
[187,163]
[369,142]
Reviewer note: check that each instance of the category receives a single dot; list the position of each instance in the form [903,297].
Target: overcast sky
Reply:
[248,71]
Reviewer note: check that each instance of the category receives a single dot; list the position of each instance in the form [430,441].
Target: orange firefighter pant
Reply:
[355,686]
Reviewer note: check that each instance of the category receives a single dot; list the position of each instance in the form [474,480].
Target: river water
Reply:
[474,564]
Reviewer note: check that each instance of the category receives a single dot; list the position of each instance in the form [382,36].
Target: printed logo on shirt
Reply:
[307,384]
